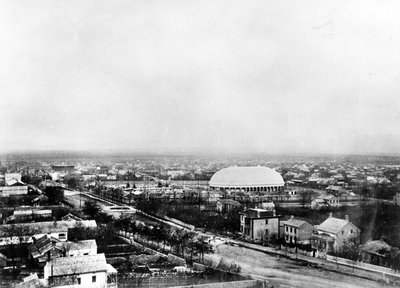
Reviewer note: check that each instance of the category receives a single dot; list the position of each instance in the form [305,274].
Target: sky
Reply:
[219,76]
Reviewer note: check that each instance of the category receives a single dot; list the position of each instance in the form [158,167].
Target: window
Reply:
[93,279]
[342,232]
[351,231]
[291,230]
[79,280]
[287,229]
[62,236]
[266,221]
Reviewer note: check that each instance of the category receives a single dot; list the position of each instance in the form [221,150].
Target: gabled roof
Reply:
[70,217]
[14,182]
[328,197]
[41,246]
[77,265]
[333,225]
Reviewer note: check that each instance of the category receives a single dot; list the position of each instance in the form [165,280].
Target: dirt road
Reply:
[279,270]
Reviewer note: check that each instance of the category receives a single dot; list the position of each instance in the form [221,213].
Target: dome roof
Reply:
[246,177]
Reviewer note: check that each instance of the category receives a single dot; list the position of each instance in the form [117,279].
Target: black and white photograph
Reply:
[199,144]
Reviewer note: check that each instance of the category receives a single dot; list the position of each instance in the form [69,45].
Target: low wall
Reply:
[235,284]
[183,224]
[362,265]
[299,251]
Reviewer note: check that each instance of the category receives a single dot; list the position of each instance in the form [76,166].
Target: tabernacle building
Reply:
[256,178]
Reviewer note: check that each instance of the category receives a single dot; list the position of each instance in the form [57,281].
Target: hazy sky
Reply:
[220,76]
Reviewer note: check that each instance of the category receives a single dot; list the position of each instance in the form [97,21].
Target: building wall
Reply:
[13,190]
[82,252]
[345,234]
[302,234]
[264,227]
[71,281]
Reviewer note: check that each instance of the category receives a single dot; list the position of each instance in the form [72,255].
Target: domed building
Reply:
[258,179]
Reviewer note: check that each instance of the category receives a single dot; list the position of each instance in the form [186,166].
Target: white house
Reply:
[89,271]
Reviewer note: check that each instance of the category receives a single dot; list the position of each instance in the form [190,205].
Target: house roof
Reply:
[258,213]
[70,217]
[77,265]
[40,246]
[14,182]
[80,245]
[333,225]
[295,222]
[328,197]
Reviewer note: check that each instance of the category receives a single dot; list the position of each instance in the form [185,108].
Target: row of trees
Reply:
[180,241]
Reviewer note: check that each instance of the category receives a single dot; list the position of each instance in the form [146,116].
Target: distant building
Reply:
[259,224]
[250,179]
[297,231]
[63,168]
[227,205]
[29,215]
[12,176]
[13,186]
[333,233]
[55,229]
[91,271]
[325,201]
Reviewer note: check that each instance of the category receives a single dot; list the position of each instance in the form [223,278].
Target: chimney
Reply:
[291,216]
[330,214]
[347,218]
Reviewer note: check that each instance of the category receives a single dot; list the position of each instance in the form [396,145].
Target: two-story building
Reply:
[259,224]
[333,233]
[297,231]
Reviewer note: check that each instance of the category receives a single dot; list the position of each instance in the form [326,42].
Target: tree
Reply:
[55,194]
[91,208]
[350,248]
[202,247]
[124,223]
[306,196]
[72,182]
